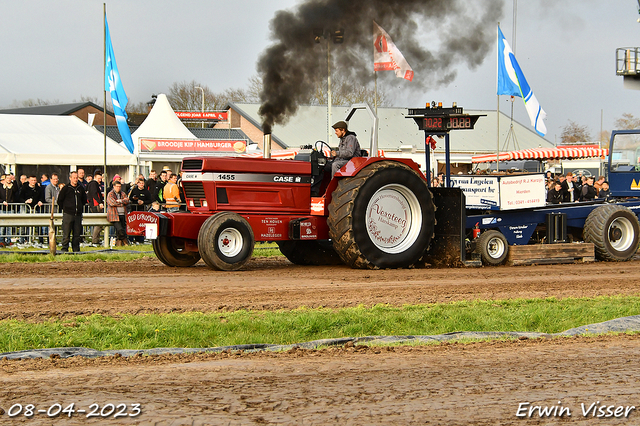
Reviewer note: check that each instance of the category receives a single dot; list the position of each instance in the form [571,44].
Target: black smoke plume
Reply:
[435,36]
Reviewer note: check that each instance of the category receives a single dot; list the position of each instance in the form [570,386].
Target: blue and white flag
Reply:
[511,82]
[113,85]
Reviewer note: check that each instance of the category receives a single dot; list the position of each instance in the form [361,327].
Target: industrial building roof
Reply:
[310,124]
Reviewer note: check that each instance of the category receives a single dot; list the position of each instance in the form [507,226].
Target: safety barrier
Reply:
[29,225]
[24,224]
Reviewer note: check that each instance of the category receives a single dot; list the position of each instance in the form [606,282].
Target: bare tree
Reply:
[627,122]
[345,92]
[33,102]
[186,97]
[573,133]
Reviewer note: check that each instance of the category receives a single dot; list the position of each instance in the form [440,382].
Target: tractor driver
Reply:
[348,148]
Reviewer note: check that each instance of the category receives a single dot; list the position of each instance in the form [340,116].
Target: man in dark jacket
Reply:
[8,195]
[555,194]
[8,192]
[31,193]
[71,200]
[588,191]
[160,187]
[95,199]
[140,197]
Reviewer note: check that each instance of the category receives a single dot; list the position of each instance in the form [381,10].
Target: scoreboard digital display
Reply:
[442,120]
[443,124]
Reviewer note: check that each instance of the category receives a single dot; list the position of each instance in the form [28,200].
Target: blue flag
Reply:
[511,82]
[113,85]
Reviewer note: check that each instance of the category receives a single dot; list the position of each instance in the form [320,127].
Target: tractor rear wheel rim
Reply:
[621,234]
[394,218]
[230,242]
[495,248]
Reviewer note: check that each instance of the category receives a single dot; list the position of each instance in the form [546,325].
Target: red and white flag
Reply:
[387,57]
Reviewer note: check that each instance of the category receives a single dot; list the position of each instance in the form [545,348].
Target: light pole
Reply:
[337,36]
[197,87]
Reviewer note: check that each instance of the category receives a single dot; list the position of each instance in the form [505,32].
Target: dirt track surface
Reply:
[481,383]
[40,291]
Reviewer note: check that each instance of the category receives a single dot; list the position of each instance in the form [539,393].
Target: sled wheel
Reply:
[493,248]
[382,218]
[316,253]
[614,231]
[226,241]
[170,252]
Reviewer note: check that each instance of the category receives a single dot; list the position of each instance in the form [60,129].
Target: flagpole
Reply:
[498,100]
[104,117]
[104,111]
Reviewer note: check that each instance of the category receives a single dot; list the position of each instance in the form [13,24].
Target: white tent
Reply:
[56,140]
[161,123]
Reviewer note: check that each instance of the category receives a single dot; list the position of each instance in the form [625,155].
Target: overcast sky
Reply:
[53,50]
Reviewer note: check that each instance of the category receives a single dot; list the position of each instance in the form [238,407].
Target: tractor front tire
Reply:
[226,241]
[383,217]
[492,247]
[169,251]
[614,231]
[314,252]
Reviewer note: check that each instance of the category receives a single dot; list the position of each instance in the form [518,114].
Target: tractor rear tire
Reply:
[383,217]
[614,231]
[492,247]
[226,241]
[314,252]
[168,252]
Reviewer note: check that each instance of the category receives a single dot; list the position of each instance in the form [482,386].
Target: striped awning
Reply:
[556,153]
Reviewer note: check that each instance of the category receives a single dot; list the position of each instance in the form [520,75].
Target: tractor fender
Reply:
[356,164]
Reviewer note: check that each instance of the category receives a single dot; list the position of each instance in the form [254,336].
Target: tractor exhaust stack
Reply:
[266,145]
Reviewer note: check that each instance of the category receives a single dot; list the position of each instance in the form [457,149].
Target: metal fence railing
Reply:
[29,225]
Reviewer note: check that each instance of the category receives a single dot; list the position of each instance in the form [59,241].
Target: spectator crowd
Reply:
[569,188]
[84,193]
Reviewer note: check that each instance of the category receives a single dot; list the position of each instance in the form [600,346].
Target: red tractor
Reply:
[374,213]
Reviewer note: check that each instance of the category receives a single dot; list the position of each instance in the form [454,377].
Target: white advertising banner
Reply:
[522,191]
[481,192]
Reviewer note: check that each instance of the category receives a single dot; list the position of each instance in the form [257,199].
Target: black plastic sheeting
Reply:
[619,325]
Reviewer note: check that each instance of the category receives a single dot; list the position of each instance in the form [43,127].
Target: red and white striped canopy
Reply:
[557,153]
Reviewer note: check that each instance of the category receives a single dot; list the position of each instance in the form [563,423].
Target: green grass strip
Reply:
[284,327]
[87,254]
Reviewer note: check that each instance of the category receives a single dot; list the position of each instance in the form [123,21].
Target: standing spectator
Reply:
[95,199]
[140,197]
[554,196]
[160,187]
[72,199]
[172,194]
[150,183]
[8,192]
[568,189]
[44,180]
[588,191]
[604,192]
[8,195]
[598,184]
[30,193]
[81,180]
[52,191]
[116,211]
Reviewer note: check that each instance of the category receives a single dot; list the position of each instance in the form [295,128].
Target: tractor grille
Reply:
[192,165]
[194,190]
